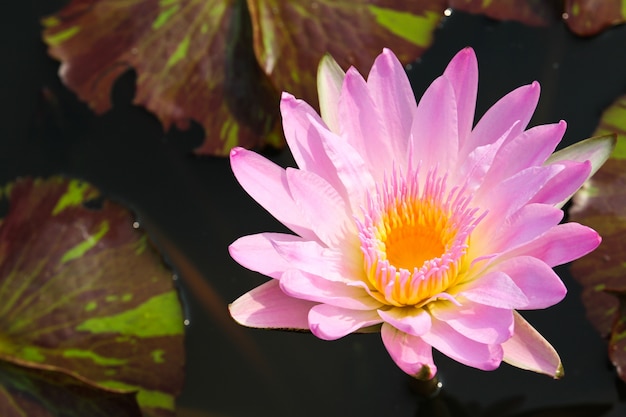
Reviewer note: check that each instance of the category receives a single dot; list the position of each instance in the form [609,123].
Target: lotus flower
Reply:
[408,220]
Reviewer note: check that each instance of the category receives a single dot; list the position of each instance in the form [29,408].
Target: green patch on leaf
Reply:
[413,28]
[91,241]
[97,359]
[159,316]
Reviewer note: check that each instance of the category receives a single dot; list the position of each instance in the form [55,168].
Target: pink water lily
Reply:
[409,220]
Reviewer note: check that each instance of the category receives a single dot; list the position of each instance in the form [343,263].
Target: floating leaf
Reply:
[589,17]
[530,12]
[195,60]
[353,32]
[601,204]
[83,291]
[36,392]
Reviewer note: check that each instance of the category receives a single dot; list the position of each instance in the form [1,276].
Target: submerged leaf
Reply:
[195,59]
[82,290]
[36,392]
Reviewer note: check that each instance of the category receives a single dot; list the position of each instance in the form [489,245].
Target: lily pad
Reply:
[601,204]
[589,17]
[195,59]
[530,12]
[36,392]
[83,291]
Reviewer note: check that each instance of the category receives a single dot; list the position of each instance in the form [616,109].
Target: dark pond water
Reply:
[198,206]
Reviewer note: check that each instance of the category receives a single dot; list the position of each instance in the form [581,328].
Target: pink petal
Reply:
[267,306]
[541,285]
[561,244]
[462,72]
[410,353]
[462,349]
[474,167]
[266,183]
[310,287]
[562,186]
[353,172]
[526,224]
[308,256]
[595,150]
[531,148]
[393,97]
[410,320]
[495,289]
[321,207]
[362,126]
[527,349]
[507,197]
[435,127]
[518,105]
[481,323]
[257,253]
[329,80]
[303,131]
[330,322]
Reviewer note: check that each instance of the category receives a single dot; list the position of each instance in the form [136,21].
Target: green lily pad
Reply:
[195,59]
[601,204]
[83,291]
[36,392]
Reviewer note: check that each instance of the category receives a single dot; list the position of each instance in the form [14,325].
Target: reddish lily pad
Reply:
[589,17]
[601,204]
[195,60]
[37,392]
[530,12]
[83,291]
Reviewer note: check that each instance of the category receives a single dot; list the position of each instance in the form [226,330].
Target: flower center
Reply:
[414,239]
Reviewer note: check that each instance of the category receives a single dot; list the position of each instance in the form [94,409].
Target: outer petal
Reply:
[361,124]
[413,321]
[321,207]
[330,322]
[257,253]
[329,80]
[311,257]
[462,72]
[462,349]
[299,284]
[303,131]
[561,244]
[267,306]
[484,324]
[596,150]
[494,289]
[526,224]
[410,353]
[531,148]
[266,182]
[541,285]
[393,97]
[518,105]
[435,127]
[351,169]
[563,185]
[527,349]
[508,196]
